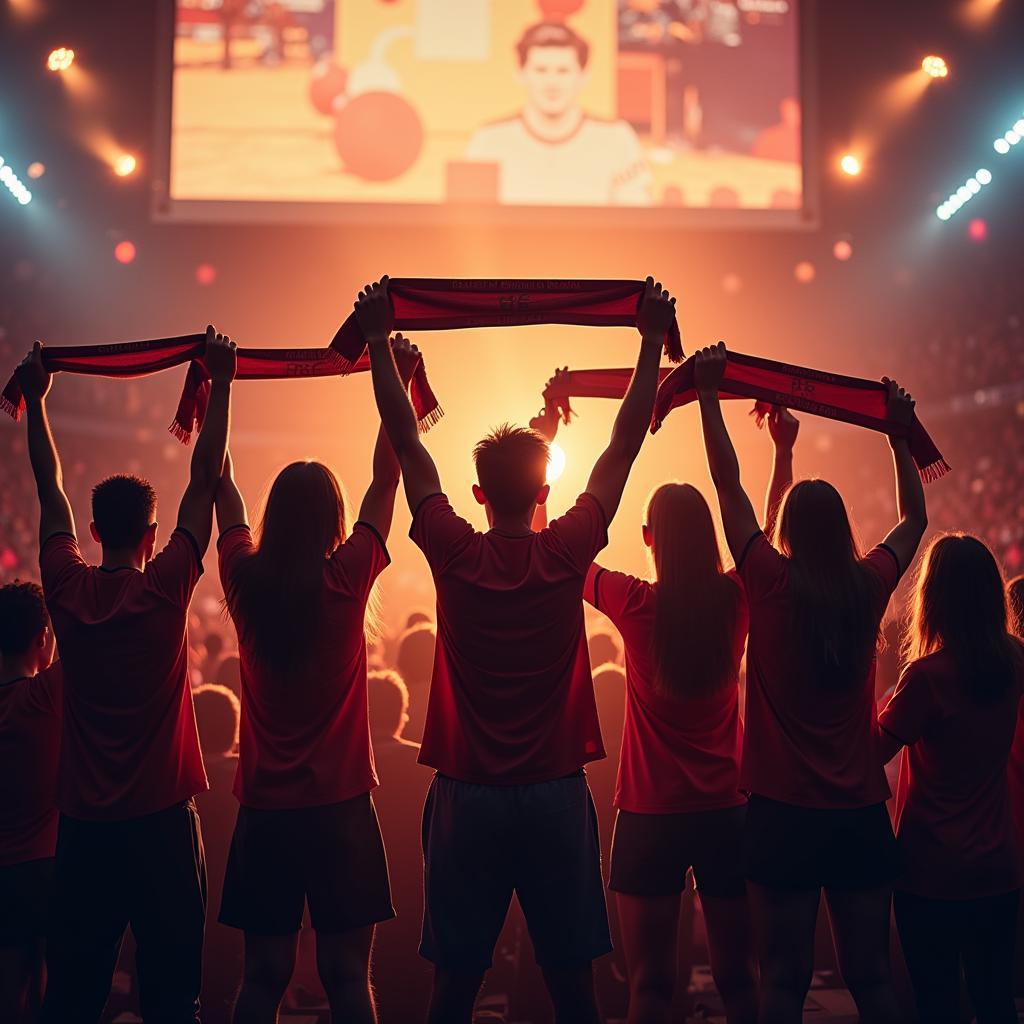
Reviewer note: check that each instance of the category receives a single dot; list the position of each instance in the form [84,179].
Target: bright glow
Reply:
[842,250]
[1012,137]
[60,59]
[14,184]
[36,170]
[556,462]
[124,252]
[935,67]
[943,212]
[984,176]
[1019,127]
[125,165]
[1001,146]
[206,273]
[964,193]
[977,230]
[973,185]
[804,272]
[850,165]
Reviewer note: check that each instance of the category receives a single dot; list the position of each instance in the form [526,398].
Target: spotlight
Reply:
[60,59]
[1001,146]
[842,250]
[984,176]
[14,184]
[36,170]
[977,230]
[1019,127]
[964,194]
[1012,137]
[804,272]
[206,273]
[556,462]
[850,165]
[124,165]
[935,67]
[124,252]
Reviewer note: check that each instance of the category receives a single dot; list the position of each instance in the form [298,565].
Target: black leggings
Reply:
[940,936]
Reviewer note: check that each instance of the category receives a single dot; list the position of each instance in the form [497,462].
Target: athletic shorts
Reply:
[790,847]
[26,892]
[651,853]
[331,857]
[482,843]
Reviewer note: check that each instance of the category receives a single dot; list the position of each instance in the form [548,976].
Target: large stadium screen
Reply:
[688,109]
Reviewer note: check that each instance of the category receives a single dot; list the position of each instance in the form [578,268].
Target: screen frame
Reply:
[166,209]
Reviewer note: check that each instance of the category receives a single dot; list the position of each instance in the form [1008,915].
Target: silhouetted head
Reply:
[217,716]
[694,642]
[124,515]
[603,649]
[1015,603]
[415,618]
[959,605]
[511,467]
[814,527]
[25,633]
[388,703]
[415,658]
[304,514]
[214,644]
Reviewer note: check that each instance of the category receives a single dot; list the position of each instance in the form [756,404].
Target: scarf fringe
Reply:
[342,364]
[12,410]
[935,471]
[180,433]
[430,419]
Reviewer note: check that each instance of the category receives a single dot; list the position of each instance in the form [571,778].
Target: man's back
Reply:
[511,700]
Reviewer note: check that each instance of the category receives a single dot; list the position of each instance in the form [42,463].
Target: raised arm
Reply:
[229,502]
[905,537]
[611,471]
[546,424]
[738,516]
[55,515]
[376,319]
[195,513]
[783,427]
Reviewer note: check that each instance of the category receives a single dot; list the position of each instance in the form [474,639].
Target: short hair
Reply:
[1015,605]
[23,616]
[217,714]
[511,465]
[552,33]
[415,657]
[123,508]
[388,699]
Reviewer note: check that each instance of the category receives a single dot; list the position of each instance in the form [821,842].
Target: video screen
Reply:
[686,104]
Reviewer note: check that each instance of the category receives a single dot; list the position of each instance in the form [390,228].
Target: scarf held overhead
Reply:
[141,358]
[834,396]
[439,304]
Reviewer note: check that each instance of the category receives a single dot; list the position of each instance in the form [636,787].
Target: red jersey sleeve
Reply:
[609,591]
[883,562]
[233,546]
[46,690]
[60,562]
[360,560]
[581,533]
[761,567]
[439,532]
[912,708]
[175,571]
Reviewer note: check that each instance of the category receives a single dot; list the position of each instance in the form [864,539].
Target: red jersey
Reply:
[306,742]
[30,717]
[679,754]
[511,700]
[1016,778]
[130,744]
[806,742]
[953,817]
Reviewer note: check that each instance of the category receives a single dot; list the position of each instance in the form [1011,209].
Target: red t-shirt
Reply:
[130,744]
[953,817]
[306,743]
[1015,770]
[679,754]
[512,700]
[30,714]
[806,742]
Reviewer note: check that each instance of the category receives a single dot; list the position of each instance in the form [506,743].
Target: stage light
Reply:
[984,176]
[935,67]
[556,462]
[977,230]
[850,165]
[124,165]
[60,59]
[804,272]
[973,185]
[1001,146]
[1019,127]
[206,273]
[944,212]
[14,184]
[842,250]
[36,169]
[124,252]
[964,194]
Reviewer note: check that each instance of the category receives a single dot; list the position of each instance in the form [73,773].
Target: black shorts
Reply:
[790,847]
[26,892]
[651,853]
[331,857]
[482,843]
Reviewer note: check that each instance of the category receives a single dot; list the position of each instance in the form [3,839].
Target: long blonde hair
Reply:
[694,640]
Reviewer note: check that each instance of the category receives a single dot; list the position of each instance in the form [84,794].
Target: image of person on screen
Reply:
[553,152]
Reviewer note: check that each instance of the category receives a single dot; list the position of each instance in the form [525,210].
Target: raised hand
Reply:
[657,311]
[709,367]
[221,357]
[407,356]
[783,427]
[899,405]
[32,376]
[374,314]
[546,423]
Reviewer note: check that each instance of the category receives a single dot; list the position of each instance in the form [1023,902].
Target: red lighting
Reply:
[804,272]
[842,250]
[124,252]
[206,273]
[977,230]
